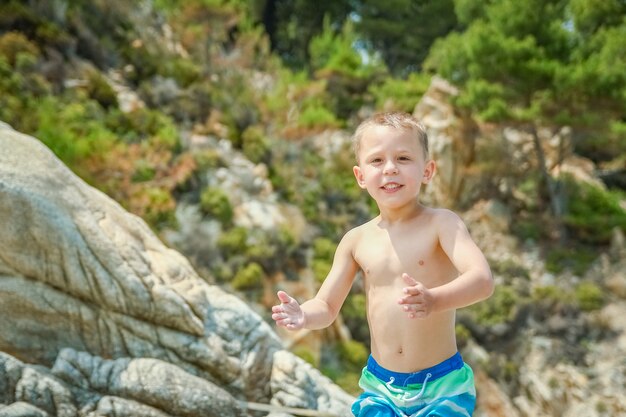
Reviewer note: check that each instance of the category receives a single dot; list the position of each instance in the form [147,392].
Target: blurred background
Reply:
[226,126]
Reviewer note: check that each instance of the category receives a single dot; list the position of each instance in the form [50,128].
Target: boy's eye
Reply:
[376,160]
[404,158]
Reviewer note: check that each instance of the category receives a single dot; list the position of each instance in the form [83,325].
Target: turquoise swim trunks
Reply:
[444,390]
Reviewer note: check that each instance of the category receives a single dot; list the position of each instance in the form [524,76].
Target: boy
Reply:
[419,265]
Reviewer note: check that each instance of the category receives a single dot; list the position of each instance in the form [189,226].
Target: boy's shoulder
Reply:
[437,215]
[356,233]
[441,214]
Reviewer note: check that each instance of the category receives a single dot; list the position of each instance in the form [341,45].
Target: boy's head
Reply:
[397,120]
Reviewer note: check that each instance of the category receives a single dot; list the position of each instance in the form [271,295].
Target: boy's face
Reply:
[392,166]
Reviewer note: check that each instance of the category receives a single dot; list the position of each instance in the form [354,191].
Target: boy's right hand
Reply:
[288,313]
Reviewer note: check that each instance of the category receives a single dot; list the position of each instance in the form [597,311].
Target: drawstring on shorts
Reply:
[405,395]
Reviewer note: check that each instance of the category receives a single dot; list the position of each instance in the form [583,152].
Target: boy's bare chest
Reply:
[383,256]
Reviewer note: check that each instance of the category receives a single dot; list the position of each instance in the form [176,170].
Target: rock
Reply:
[452,138]
[491,401]
[21,409]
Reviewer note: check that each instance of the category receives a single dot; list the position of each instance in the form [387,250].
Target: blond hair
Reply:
[398,120]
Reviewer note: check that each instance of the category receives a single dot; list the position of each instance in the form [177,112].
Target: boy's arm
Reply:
[321,311]
[475,282]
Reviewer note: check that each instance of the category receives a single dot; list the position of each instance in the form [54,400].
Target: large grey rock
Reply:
[80,274]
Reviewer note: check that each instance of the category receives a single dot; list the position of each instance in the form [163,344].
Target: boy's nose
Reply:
[390,168]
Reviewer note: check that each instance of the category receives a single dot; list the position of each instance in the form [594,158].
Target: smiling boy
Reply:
[419,265]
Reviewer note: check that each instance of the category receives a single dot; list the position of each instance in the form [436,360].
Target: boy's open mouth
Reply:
[391,186]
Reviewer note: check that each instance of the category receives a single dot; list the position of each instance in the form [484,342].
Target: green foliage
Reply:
[305,353]
[236,102]
[144,171]
[402,31]
[184,71]
[335,52]
[592,213]
[291,24]
[463,335]
[396,94]
[509,269]
[159,207]
[73,131]
[100,90]
[352,353]
[521,62]
[316,115]
[335,59]
[591,15]
[499,308]
[255,145]
[323,253]
[552,295]
[12,44]
[249,277]
[233,241]
[589,296]
[215,203]
[351,356]
[208,159]
[578,259]
[355,316]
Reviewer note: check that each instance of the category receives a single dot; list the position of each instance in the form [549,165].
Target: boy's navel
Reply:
[421,263]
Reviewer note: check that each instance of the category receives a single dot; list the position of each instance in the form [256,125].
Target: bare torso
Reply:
[398,342]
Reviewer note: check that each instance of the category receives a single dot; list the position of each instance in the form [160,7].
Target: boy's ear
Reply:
[359,176]
[429,171]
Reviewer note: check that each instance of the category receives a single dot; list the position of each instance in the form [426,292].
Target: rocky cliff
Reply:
[99,318]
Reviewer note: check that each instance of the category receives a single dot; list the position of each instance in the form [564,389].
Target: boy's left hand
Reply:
[418,300]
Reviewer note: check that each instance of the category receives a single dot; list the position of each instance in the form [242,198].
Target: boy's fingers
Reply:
[284,297]
[415,290]
[409,279]
[412,299]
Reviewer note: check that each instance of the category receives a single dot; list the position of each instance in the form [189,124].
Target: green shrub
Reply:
[304,352]
[144,171]
[262,249]
[577,259]
[349,382]
[317,116]
[399,94]
[509,269]
[233,241]
[184,71]
[499,308]
[592,213]
[254,144]
[159,210]
[552,295]
[73,131]
[249,277]
[13,44]
[589,296]
[463,335]
[208,159]
[215,203]
[100,90]
[353,354]
[323,253]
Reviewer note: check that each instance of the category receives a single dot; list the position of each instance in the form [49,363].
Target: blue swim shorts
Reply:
[444,390]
